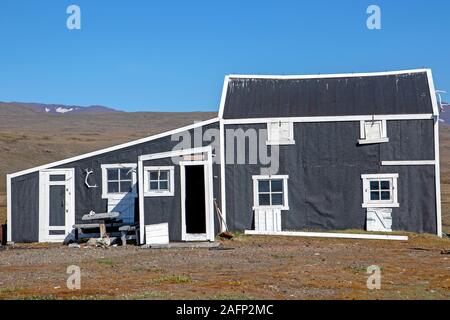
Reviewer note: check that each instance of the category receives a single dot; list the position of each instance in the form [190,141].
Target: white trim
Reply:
[367,203]
[209,208]
[321,76]
[380,176]
[114,148]
[44,188]
[8,209]
[373,141]
[437,171]
[424,116]
[285,179]
[156,193]
[105,167]
[141,204]
[433,93]
[437,167]
[327,235]
[224,96]
[409,163]
[222,178]
[174,153]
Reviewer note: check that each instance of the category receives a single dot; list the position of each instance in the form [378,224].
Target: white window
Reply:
[380,190]
[159,181]
[118,179]
[373,132]
[270,192]
[279,133]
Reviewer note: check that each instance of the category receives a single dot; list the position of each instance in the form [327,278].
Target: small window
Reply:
[373,132]
[158,181]
[270,192]
[380,191]
[280,133]
[118,180]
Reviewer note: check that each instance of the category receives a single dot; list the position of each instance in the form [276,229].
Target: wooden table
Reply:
[102,219]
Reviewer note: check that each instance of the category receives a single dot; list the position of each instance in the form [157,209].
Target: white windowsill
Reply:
[373,141]
[280,143]
[380,205]
[118,195]
[282,208]
[159,194]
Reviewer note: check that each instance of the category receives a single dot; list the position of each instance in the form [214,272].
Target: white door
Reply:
[56,204]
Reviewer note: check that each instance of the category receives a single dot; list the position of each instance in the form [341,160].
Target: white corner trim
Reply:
[141,204]
[409,163]
[423,116]
[224,96]
[154,193]
[114,148]
[105,167]
[433,93]
[437,172]
[8,209]
[327,235]
[437,166]
[223,225]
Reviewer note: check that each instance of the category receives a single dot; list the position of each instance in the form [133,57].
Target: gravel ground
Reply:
[253,268]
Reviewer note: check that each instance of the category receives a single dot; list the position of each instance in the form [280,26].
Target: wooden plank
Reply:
[327,235]
[100,216]
[157,234]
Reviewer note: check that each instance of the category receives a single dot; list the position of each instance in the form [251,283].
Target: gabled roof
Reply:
[382,93]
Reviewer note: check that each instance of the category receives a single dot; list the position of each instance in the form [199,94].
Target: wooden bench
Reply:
[80,229]
[124,230]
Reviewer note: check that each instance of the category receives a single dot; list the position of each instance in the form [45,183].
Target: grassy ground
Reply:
[254,268]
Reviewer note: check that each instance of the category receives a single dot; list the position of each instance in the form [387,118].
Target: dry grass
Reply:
[256,268]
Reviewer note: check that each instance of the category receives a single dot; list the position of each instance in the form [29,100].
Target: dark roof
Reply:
[263,97]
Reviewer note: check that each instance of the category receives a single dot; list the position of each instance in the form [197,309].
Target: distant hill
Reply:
[23,107]
[445,114]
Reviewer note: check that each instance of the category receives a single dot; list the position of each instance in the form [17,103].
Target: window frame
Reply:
[105,167]
[368,203]
[256,192]
[383,126]
[158,193]
[289,141]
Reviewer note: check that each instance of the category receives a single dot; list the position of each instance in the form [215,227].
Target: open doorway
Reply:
[196,213]
[195,209]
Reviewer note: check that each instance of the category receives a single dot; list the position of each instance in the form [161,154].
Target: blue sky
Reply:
[173,55]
